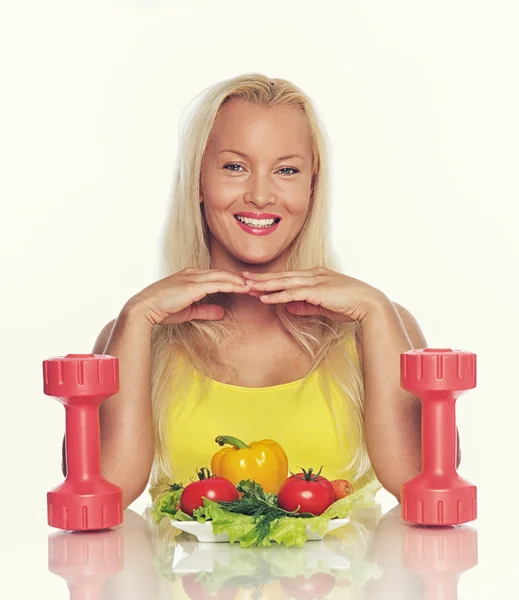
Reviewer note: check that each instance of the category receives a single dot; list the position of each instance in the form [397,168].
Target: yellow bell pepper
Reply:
[264,462]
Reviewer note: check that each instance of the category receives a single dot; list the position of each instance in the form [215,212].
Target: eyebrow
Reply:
[285,157]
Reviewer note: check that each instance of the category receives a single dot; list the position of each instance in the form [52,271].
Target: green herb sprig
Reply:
[260,505]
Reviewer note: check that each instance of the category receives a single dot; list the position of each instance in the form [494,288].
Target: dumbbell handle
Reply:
[439,440]
[83,453]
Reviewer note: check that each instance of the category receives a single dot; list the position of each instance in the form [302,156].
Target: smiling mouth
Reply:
[257,223]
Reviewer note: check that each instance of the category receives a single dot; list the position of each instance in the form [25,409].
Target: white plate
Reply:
[204,531]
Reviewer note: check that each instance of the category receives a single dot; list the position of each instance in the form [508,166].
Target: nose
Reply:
[260,192]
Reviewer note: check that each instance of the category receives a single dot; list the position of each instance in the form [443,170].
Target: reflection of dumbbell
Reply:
[439,556]
[438,496]
[85,501]
[86,560]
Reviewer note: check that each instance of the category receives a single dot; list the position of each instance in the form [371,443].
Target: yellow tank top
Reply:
[296,416]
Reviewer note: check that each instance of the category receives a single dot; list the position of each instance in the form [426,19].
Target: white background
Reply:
[420,101]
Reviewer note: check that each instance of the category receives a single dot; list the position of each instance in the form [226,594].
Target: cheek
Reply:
[299,198]
[217,191]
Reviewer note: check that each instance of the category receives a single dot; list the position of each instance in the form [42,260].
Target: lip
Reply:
[252,215]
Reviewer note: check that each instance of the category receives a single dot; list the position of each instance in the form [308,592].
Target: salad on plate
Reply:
[258,507]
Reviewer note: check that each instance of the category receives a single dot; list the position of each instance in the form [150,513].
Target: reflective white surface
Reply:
[375,556]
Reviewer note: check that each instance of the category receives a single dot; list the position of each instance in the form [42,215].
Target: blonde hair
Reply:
[176,349]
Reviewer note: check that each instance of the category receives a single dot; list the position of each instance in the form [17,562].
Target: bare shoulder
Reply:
[103,337]
[411,326]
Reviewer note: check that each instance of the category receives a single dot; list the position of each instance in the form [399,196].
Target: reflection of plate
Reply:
[204,531]
[192,556]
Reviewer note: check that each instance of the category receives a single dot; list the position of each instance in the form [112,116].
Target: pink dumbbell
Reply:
[85,501]
[438,496]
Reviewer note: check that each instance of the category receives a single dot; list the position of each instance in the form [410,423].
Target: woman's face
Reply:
[257,165]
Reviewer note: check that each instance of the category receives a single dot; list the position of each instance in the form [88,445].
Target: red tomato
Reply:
[311,492]
[318,585]
[342,488]
[213,488]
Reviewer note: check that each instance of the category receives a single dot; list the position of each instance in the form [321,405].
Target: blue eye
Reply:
[235,168]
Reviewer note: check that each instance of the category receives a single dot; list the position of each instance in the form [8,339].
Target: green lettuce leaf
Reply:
[362,498]
[165,503]
[238,527]
[182,516]
[290,531]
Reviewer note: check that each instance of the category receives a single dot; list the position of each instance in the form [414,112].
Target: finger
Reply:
[217,275]
[292,295]
[284,283]
[305,309]
[299,307]
[207,312]
[278,275]
[223,275]
[202,289]
[255,293]
[226,286]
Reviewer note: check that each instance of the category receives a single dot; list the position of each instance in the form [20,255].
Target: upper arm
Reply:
[418,341]
[411,326]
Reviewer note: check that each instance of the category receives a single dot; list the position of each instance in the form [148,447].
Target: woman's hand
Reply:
[170,300]
[316,291]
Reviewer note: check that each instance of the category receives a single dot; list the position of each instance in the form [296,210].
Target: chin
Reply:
[250,259]
[254,256]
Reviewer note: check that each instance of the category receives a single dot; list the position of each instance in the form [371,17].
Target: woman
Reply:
[252,332]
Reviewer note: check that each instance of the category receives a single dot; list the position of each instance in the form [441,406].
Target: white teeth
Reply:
[256,222]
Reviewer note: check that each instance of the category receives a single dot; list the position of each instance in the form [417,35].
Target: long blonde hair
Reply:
[177,349]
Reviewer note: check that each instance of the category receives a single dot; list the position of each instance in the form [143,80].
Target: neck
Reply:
[250,311]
